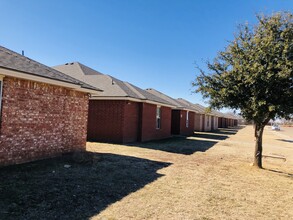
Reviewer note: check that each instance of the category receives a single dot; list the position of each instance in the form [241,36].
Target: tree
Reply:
[254,74]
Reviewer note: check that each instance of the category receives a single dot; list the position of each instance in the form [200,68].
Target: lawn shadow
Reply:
[210,135]
[198,142]
[280,172]
[285,140]
[47,190]
[178,145]
[228,131]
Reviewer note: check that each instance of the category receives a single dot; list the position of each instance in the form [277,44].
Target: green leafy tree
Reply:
[254,74]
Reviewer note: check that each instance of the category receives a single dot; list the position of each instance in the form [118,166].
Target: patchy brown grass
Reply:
[48,190]
[216,183]
[206,176]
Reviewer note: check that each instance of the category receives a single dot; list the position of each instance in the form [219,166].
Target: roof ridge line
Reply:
[169,98]
[24,64]
[115,83]
[134,90]
[78,64]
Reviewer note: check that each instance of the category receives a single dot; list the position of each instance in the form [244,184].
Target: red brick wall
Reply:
[120,121]
[105,120]
[40,121]
[231,123]
[183,129]
[207,123]
[131,126]
[225,123]
[203,122]
[212,123]
[198,122]
[220,122]
[148,126]
[216,126]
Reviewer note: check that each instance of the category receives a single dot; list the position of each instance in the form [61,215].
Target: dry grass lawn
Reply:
[216,184]
[206,176]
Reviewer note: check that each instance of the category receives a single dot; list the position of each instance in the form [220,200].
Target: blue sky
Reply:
[149,43]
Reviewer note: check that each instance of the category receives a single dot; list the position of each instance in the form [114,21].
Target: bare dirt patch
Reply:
[205,176]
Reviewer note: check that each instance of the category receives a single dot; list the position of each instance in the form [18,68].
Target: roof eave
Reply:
[128,98]
[32,77]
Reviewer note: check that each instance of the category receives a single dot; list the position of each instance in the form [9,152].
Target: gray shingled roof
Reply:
[112,87]
[179,104]
[231,116]
[191,105]
[217,113]
[202,110]
[165,97]
[77,69]
[198,108]
[150,96]
[14,61]
[222,115]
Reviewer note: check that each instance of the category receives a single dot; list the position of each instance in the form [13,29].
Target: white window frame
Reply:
[158,117]
[187,119]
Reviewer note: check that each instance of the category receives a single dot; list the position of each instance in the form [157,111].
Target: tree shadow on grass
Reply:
[210,135]
[178,145]
[285,140]
[280,172]
[47,190]
[228,131]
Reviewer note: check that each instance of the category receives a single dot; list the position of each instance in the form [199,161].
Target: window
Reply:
[158,117]
[208,121]
[187,119]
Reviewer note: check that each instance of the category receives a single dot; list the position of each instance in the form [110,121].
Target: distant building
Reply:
[182,120]
[123,112]
[204,120]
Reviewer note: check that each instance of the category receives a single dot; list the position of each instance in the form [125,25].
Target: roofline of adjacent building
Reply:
[186,109]
[33,77]
[127,98]
[178,105]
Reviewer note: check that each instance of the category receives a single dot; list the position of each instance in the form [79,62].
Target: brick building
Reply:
[43,111]
[233,119]
[223,121]
[182,120]
[123,112]
[209,119]
[227,120]
[203,120]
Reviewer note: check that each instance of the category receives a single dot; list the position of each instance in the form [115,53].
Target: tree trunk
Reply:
[258,145]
